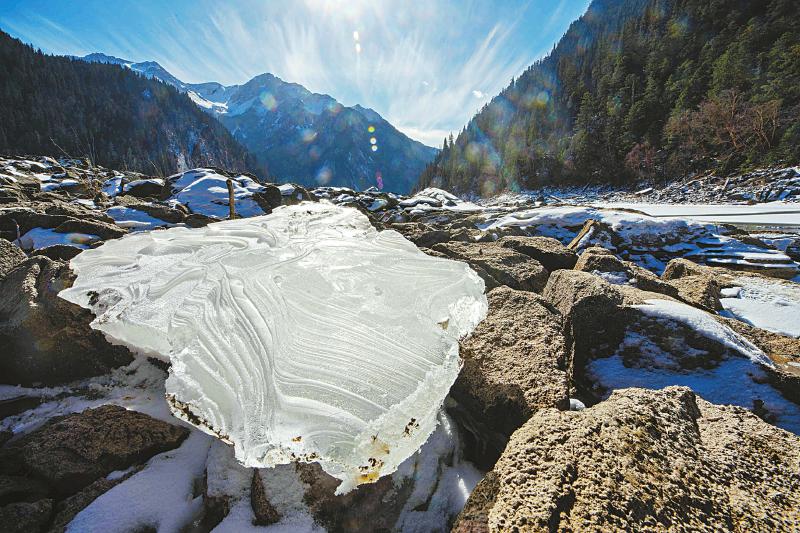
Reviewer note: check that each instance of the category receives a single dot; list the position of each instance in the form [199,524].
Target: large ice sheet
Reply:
[301,335]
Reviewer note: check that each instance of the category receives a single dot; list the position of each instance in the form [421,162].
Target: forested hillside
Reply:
[115,117]
[640,89]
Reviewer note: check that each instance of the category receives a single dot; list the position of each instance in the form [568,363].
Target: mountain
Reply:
[56,106]
[640,90]
[301,136]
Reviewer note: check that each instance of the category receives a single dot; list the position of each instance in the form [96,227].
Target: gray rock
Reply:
[44,339]
[548,251]
[642,461]
[70,452]
[11,255]
[515,362]
[505,266]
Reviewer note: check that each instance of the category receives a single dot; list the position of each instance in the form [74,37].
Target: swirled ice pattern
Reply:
[304,335]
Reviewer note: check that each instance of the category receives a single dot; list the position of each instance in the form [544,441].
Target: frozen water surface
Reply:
[301,335]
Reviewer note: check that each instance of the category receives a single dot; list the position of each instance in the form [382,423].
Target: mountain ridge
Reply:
[56,106]
[639,90]
[302,136]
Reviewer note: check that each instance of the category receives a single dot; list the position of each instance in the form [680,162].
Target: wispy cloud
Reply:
[427,67]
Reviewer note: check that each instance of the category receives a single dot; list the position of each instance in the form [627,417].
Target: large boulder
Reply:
[173,214]
[59,217]
[594,315]
[44,339]
[598,260]
[269,198]
[25,517]
[11,255]
[642,461]
[505,266]
[69,452]
[548,251]
[420,234]
[700,291]
[514,363]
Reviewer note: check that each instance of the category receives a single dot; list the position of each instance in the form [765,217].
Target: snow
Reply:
[43,237]
[442,479]
[734,381]
[205,191]
[111,186]
[576,405]
[304,323]
[773,305]
[63,184]
[134,219]
[159,497]
[705,324]
[433,199]
[615,278]
[698,241]
[771,213]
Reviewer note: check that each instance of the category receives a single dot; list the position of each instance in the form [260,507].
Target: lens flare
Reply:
[379,179]
[371,129]
[268,101]
[308,135]
[374,148]
[334,108]
[373,140]
[324,175]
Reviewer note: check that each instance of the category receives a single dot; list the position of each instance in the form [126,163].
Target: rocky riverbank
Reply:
[633,373]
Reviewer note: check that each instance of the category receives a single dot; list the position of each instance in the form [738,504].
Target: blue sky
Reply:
[426,66]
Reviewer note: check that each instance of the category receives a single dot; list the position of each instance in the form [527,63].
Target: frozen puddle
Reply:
[304,335]
[773,305]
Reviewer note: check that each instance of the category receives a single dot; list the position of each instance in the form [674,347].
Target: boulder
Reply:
[505,266]
[58,252]
[265,514]
[11,255]
[642,460]
[21,489]
[514,363]
[104,230]
[598,259]
[295,195]
[69,507]
[44,339]
[70,452]
[173,214]
[591,308]
[144,188]
[680,268]
[700,291]
[269,198]
[548,251]
[26,517]
[61,217]
[421,234]
[372,507]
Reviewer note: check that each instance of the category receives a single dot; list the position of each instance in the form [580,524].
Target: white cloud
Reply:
[478,94]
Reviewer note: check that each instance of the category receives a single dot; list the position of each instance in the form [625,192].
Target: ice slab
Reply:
[304,335]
